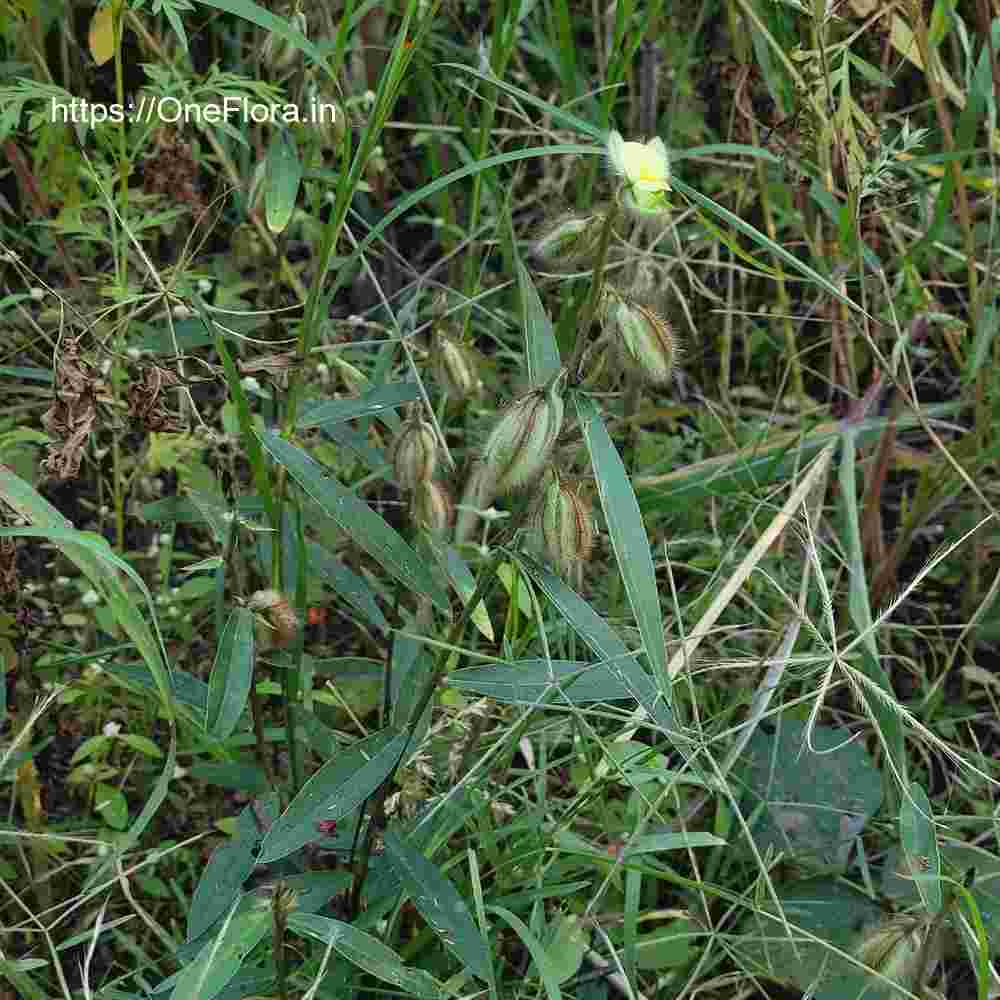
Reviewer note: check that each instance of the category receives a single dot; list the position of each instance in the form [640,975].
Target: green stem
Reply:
[594,301]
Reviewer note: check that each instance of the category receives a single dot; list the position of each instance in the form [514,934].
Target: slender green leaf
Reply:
[263,18]
[761,240]
[920,844]
[366,952]
[369,404]
[221,958]
[92,554]
[525,682]
[228,868]
[335,790]
[548,973]
[569,943]
[366,528]
[232,674]
[557,114]
[439,184]
[628,536]
[886,719]
[541,348]
[439,903]
[603,640]
[653,842]
[347,584]
[283,174]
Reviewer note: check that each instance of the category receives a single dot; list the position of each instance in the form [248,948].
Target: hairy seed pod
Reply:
[278,613]
[454,367]
[522,441]
[571,240]
[644,340]
[432,507]
[477,496]
[414,453]
[278,53]
[255,192]
[567,526]
[893,948]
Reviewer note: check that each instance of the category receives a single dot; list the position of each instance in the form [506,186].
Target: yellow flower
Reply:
[645,168]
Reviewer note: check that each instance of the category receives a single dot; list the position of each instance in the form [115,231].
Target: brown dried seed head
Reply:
[278,613]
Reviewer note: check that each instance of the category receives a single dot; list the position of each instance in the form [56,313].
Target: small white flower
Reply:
[36,294]
[204,285]
[645,167]
[179,772]
[181,311]
[250,383]
[90,598]
[111,729]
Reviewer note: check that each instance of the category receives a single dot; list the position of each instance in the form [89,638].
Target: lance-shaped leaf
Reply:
[221,957]
[354,516]
[232,674]
[284,173]
[439,903]
[366,952]
[372,403]
[628,536]
[335,790]
[540,345]
[916,832]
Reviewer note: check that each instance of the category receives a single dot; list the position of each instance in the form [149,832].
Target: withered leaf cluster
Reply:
[71,416]
[146,404]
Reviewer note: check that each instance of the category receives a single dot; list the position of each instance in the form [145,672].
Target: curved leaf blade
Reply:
[335,790]
[541,348]
[366,952]
[916,832]
[628,535]
[355,517]
[232,674]
[439,903]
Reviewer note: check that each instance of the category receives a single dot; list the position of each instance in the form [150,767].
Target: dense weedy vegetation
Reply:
[496,500]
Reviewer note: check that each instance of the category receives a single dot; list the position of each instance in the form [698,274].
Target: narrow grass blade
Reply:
[557,114]
[336,789]
[368,404]
[526,682]
[628,535]
[369,531]
[882,714]
[232,674]
[549,975]
[439,903]
[540,345]
[366,952]
[92,554]
[263,18]
[763,241]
